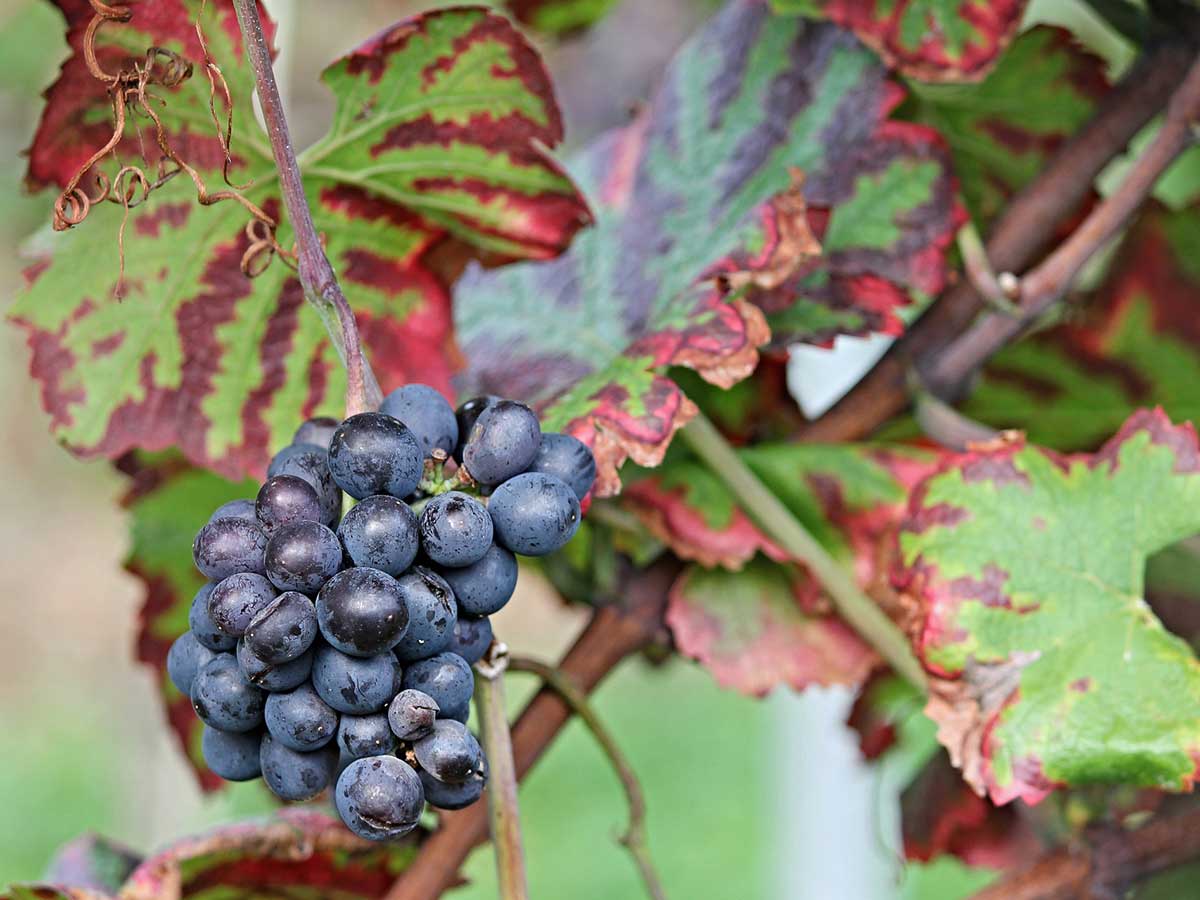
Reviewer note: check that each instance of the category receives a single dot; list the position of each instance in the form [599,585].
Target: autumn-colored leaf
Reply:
[93,862]
[559,16]
[1026,574]
[697,187]
[198,356]
[932,40]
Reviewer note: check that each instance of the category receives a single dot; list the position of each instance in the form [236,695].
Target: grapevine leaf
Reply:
[93,862]
[168,502]
[198,356]
[1003,129]
[1025,571]
[49,892]
[752,631]
[702,185]
[932,40]
[559,16]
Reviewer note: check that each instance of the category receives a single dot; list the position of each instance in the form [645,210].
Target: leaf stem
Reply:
[777,520]
[634,838]
[320,284]
[503,814]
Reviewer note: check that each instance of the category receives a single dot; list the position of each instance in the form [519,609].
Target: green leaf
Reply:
[559,16]
[1027,571]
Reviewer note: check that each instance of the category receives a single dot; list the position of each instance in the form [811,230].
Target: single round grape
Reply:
[362,612]
[318,430]
[360,736]
[238,599]
[484,587]
[375,454]
[566,458]
[467,414]
[427,415]
[351,684]
[534,514]
[311,463]
[453,796]
[186,657]
[300,719]
[411,714]
[235,509]
[295,775]
[471,639]
[283,630]
[286,500]
[447,679]
[224,699]
[228,546]
[203,627]
[380,532]
[302,557]
[270,677]
[431,614]
[232,756]
[449,753]
[379,798]
[456,529]
[503,442]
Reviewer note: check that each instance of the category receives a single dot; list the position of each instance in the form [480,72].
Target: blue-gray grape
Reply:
[283,629]
[203,627]
[295,775]
[503,442]
[186,657]
[232,756]
[362,612]
[235,509]
[449,753]
[447,679]
[237,599]
[466,416]
[427,414]
[286,500]
[471,639]
[567,458]
[379,798]
[534,514]
[271,677]
[300,719]
[227,546]
[224,699]
[360,736]
[456,529]
[431,614]
[372,453]
[302,557]
[411,714]
[484,587]
[311,463]
[454,796]
[318,430]
[380,532]
[351,684]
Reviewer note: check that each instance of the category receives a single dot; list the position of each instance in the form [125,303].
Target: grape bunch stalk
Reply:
[335,649]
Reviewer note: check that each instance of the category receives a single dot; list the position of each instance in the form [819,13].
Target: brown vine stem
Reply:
[634,838]
[504,818]
[320,284]
[1019,235]
[612,634]
[1107,865]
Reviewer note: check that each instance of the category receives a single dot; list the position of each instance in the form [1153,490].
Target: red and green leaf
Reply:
[198,356]
[696,194]
[1026,572]
[559,16]
[93,862]
[931,40]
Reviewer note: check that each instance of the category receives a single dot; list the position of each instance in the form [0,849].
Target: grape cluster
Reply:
[330,649]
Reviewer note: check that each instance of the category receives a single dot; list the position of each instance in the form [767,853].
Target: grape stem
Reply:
[634,838]
[862,613]
[503,813]
[320,284]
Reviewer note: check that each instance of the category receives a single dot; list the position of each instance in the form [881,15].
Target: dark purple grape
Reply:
[472,637]
[379,798]
[431,614]
[456,529]
[375,454]
[318,430]
[427,415]
[411,715]
[286,500]
[224,699]
[450,752]
[568,459]
[454,796]
[362,612]
[238,599]
[447,678]
[283,629]
[228,546]
[484,587]
[351,684]
[235,509]
[311,463]
[203,628]
[275,678]
[467,414]
[232,756]
[534,514]
[186,657]
[302,557]
[380,532]
[295,775]
[300,719]
[503,442]
[360,736]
